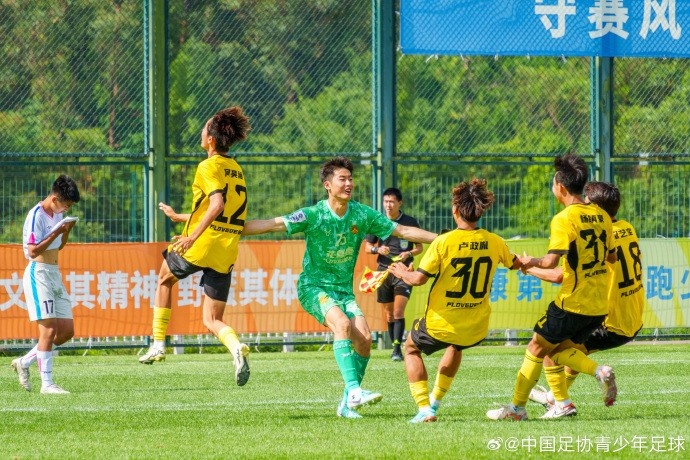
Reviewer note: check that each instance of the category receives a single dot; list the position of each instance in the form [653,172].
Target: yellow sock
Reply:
[576,360]
[441,387]
[161,318]
[555,377]
[229,338]
[420,393]
[527,377]
[569,379]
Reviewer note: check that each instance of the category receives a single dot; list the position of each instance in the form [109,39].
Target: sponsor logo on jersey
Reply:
[297,216]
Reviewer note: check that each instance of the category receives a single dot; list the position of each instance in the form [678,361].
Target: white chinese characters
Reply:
[609,17]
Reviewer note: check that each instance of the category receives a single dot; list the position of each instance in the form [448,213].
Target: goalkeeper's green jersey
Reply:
[333,242]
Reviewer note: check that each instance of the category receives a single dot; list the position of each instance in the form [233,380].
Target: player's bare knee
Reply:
[342,327]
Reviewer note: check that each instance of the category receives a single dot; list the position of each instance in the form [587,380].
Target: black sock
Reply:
[398,330]
[391,331]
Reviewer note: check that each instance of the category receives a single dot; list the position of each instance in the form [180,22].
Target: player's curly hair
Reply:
[330,166]
[571,172]
[228,126]
[65,189]
[605,195]
[472,198]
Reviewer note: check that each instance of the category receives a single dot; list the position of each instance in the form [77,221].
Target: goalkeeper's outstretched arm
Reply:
[257,227]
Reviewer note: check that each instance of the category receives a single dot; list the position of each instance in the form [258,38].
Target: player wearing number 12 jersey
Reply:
[462,263]
[583,233]
[334,230]
[209,242]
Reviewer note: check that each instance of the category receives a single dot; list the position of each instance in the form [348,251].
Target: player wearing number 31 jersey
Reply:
[583,233]
[209,242]
[625,290]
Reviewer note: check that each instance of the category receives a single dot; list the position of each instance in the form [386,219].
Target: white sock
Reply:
[29,358]
[159,344]
[45,367]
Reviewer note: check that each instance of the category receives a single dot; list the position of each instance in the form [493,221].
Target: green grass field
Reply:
[189,407]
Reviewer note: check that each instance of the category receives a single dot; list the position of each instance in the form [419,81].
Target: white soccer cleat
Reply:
[507,413]
[607,381]
[557,411]
[358,398]
[154,354]
[22,373]
[541,395]
[241,364]
[53,389]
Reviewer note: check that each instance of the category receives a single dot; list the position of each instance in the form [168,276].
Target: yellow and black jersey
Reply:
[626,291]
[216,248]
[463,263]
[583,234]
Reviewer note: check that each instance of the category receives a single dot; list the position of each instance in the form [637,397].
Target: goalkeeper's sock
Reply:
[342,350]
[360,365]
[161,318]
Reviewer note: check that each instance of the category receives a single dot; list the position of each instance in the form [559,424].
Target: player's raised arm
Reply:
[172,215]
[552,275]
[257,227]
[414,234]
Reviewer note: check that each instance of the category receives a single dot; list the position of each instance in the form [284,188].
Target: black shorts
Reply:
[392,286]
[603,339]
[427,344]
[216,285]
[558,325]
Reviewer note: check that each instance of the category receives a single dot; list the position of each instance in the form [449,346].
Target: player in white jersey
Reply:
[46,297]
[334,230]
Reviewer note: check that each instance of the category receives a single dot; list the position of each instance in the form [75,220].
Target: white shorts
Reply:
[46,296]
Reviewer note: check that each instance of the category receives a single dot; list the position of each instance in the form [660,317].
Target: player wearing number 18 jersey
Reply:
[209,242]
[462,263]
[584,235]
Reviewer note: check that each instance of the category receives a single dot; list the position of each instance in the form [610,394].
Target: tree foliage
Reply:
[72,85]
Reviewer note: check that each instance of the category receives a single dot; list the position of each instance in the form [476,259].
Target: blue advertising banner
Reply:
[607,28]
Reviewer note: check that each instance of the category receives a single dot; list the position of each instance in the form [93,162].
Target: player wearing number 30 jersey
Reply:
[462,263]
